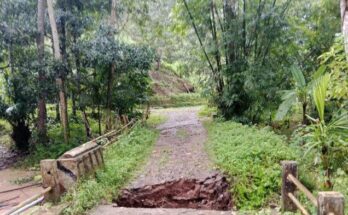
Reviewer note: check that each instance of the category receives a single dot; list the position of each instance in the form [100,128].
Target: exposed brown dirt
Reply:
[211,193]
[8,178]
[165,83]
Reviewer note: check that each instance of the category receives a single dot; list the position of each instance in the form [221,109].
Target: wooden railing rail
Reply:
[327,203]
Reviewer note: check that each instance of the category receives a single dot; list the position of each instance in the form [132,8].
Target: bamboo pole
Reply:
[301,187]
[298,204]
[31,199]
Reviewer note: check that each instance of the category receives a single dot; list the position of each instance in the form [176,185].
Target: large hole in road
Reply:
[210,193]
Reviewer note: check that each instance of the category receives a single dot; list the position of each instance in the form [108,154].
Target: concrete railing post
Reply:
[50,179]
[330,203]
[288,167]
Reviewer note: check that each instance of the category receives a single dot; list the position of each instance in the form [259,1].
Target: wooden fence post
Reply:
[330,203]
[288,167]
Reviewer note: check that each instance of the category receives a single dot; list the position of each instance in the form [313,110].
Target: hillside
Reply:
[166,83]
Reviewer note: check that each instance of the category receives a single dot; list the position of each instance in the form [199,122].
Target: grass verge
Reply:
[179,100]
[250,157]
[121,161]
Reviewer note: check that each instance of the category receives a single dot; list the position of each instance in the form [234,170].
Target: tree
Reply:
[40,40]
[60,80]
[300,93]
[112,21]
[327,137]
[17,36]
[344,21]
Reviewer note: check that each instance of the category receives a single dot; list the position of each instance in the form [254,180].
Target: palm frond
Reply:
[289,98]
[339,125]
[298,77]
[319,94]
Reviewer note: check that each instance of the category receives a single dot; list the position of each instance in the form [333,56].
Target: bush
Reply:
[251,159]
[121,159]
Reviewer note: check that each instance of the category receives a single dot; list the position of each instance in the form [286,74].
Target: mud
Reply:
[211,193]
[8,157]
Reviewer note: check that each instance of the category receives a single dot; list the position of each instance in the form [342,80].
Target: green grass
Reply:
[155,119]
[179,100]
[57,146]
[250,157]
[207,111]
[121,161]
[5,131]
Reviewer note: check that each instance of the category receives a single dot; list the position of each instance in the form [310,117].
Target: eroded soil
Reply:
[211,193]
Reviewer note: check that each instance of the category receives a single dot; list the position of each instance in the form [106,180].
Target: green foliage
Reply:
[57,146]
[334,62]
[133,63]
[328,138]
[121,160]
[155,119]
[251,158]
[290,97]
[208,111]
[179,100]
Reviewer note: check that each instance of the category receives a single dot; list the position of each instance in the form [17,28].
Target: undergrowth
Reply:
[251,158]
[178,100]
[155,119]
[121,160]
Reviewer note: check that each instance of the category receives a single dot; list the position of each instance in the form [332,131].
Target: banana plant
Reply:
[326,137]
[300,93]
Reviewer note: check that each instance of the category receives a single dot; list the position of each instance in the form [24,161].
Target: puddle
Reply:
[210,193]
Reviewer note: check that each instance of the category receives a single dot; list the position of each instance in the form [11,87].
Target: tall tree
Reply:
[112,22]
[60,79]
[344,19]
[40,40]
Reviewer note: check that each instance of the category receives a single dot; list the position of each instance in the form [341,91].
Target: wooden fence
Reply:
[327,203]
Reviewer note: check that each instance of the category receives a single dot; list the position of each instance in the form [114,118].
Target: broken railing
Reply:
[59,175]
[327,203]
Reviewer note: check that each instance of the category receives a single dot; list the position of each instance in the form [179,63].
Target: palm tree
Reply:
[300,94]
[326,137]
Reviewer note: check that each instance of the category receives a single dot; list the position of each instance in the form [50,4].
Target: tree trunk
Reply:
[40,40]
[60,80]
[217,74]
[112,22]
[304,113]
[344,19]
[99,121]
[86,123]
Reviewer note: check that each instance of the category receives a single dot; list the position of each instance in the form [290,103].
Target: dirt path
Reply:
[14,178]
[179,151]
[178,173]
